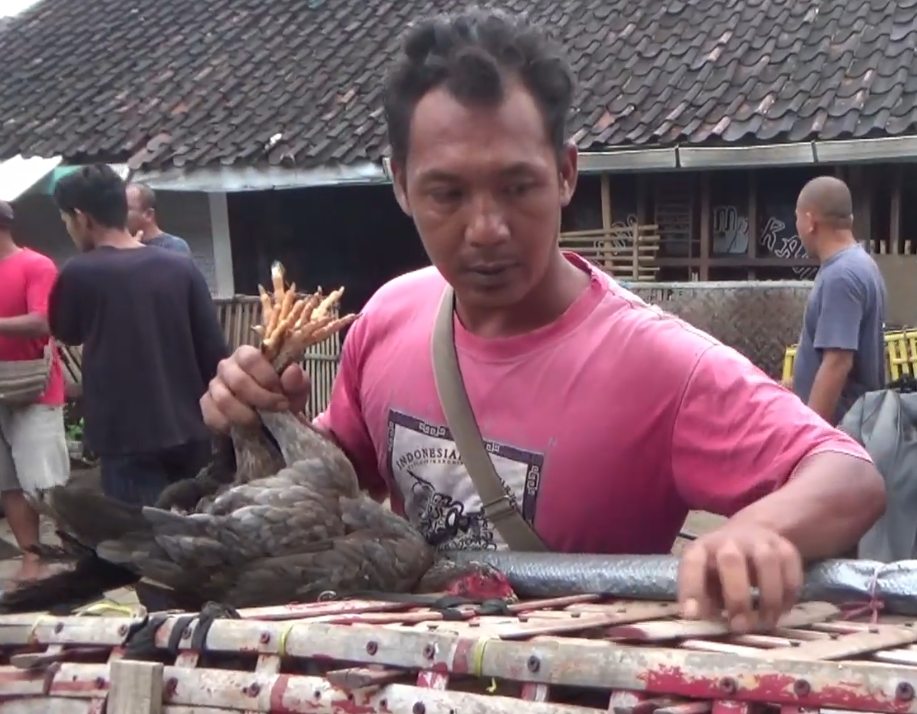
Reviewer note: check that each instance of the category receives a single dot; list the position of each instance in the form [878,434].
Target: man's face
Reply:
[78,227]
[485,190]
[137,216]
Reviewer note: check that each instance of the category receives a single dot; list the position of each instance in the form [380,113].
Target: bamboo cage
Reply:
[625,252]
[571,655]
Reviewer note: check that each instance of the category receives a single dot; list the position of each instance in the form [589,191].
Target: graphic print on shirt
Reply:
[439,497]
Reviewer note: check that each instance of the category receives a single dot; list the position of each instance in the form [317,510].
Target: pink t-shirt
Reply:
[26,279]
[606,426]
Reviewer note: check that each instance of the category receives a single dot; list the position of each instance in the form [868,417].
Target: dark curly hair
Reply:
[473,54]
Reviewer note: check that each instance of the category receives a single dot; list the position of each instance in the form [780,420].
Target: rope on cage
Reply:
[32,637]
[874,605]
[477,662]
[109,607]
[282,643]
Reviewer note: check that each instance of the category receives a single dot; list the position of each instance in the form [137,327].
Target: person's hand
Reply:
[719,569]
[138,236]
[246,381]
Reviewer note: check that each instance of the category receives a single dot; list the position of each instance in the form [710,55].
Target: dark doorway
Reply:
[351,236]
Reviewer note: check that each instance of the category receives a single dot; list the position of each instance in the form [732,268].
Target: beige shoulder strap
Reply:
[450,387]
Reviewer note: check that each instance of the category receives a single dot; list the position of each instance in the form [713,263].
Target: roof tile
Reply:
[83,80]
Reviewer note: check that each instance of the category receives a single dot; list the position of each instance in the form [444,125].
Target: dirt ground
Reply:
[9,567]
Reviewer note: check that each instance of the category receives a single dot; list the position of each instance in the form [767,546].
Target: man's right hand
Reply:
[246,381]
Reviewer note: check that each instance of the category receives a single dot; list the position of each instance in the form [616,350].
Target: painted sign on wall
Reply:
[730,231]
[777,236]
[781,240]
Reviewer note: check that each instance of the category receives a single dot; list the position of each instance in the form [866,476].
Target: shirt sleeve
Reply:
[40,280]
[840,312]
[209,342]
[67,306]
[181,245]
[343,417]
[739,436]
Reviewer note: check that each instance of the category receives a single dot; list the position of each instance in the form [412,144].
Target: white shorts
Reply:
[33,448]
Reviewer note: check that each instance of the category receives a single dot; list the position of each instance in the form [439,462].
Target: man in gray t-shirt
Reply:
[142,222]
[841,353]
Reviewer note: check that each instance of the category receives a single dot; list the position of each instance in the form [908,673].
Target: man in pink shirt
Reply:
[33,446]
[606,419]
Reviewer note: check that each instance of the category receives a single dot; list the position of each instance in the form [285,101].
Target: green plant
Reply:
[75,431]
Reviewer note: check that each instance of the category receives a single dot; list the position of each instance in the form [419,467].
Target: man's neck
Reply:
[116,238]
[8,246]
[150,232]
[562,285]
[842,240]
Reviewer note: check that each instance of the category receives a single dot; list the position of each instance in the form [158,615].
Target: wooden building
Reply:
[262,129]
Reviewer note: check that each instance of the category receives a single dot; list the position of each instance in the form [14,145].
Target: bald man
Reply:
[142,221]
[841,353]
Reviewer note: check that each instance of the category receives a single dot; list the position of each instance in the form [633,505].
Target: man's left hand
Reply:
[718,571]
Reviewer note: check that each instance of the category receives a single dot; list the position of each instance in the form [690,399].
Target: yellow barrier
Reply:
[900,355]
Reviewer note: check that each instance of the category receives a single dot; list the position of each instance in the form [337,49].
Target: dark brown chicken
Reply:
[290,525]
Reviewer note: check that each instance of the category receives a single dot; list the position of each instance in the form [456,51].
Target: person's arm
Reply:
[28,326]
[837,337]
[209,342]
[343,421]
[746,448]
[69,306]
[39,279]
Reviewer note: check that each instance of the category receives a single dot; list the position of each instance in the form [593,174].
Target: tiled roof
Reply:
[297,82]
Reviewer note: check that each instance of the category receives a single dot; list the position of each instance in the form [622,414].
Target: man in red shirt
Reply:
[33,445]
[605,418]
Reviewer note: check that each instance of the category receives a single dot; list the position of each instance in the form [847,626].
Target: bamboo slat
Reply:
[574,655]
[624,252]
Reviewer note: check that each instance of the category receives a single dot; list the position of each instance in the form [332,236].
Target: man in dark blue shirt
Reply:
[141,220]
[151,341]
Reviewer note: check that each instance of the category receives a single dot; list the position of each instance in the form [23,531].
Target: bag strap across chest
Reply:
[450,387]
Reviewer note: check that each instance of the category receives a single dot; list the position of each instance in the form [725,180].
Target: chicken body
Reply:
[288,537]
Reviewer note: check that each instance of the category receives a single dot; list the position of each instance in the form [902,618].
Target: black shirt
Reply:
[151,344]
